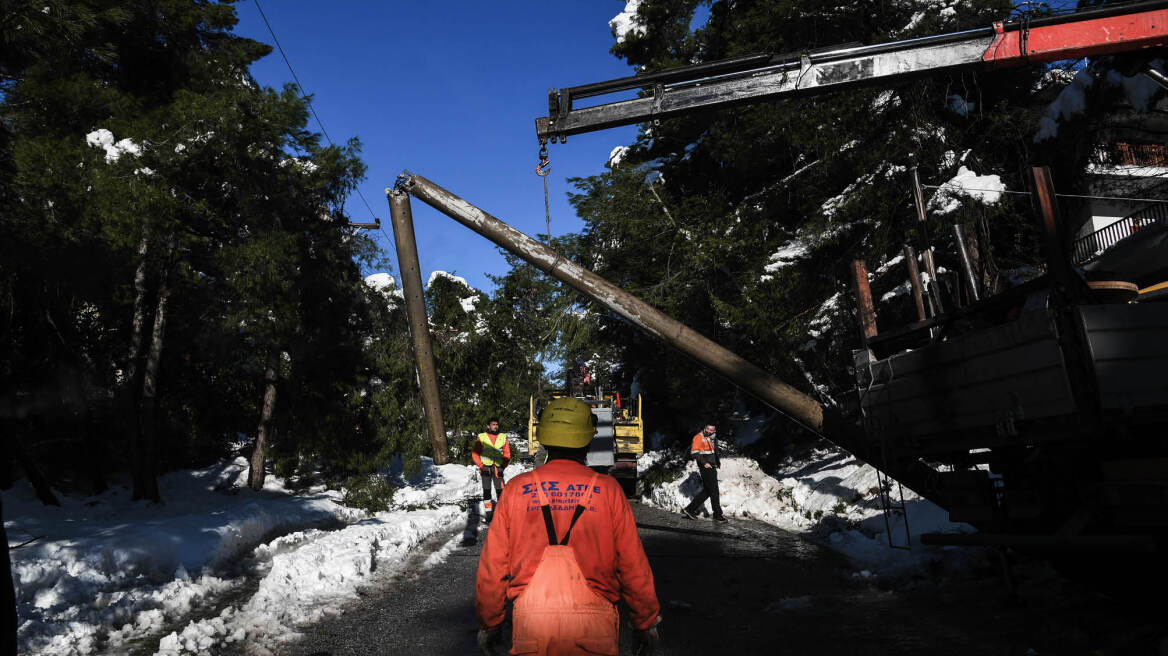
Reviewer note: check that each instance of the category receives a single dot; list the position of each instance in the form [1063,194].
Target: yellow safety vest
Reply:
[492,451]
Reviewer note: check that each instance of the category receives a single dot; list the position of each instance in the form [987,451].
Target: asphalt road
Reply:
[741,588]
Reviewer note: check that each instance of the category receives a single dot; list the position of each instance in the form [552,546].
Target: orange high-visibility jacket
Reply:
[605,541]
[702,444]
[491,449]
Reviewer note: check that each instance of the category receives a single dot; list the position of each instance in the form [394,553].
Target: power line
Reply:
[1027,193]
[304,95]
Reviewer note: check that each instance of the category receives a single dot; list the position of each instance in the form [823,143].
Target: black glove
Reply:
[489,639]
[645,641]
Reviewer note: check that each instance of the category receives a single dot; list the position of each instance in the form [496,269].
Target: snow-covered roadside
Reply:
[827,496]
[109,572]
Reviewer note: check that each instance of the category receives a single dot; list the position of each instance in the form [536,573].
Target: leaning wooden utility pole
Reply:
[402,218]
[752,379]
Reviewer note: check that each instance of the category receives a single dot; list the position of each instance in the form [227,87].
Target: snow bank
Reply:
[829,497]
[311,575]
[109,571]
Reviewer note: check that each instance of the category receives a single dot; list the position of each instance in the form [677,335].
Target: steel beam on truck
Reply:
[743,80]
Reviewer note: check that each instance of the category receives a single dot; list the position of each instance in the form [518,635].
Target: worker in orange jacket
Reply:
[704,451]
[564,548]
[491,453]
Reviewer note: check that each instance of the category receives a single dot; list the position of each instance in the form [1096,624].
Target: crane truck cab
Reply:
[619,441]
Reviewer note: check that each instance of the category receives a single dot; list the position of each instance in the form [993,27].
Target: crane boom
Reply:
[1108,30]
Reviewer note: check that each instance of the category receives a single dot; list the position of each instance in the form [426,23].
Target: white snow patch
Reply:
[302,164]
[104,139]
[617,155]
[787,255]
[987,189]
[449,276]
[385,284]
[1071,101]
[824,316]
[626,22]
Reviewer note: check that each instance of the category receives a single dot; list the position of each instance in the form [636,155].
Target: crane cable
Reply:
[542,170]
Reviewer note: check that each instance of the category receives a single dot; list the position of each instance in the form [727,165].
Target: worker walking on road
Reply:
[704,451]
[564,548]
[491,453]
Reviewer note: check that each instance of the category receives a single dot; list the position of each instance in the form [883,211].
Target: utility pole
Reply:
[402,218]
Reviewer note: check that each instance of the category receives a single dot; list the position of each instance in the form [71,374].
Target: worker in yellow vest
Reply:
[491,453]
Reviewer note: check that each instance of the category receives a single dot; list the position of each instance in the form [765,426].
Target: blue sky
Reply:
[449,91]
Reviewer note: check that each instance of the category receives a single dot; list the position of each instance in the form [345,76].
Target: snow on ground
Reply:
[829,497]
[110,574]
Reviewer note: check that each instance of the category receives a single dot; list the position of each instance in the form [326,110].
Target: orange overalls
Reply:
[564,594]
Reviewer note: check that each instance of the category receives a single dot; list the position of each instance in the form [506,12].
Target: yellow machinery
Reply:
[620,435]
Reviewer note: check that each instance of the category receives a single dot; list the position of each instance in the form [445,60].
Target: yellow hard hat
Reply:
[566,423]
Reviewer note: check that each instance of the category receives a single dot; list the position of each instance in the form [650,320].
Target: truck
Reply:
[620,434]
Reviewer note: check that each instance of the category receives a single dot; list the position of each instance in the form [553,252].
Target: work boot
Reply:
[689,514]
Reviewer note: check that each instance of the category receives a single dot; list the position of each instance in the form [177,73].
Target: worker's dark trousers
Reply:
[709,491]
[487,478]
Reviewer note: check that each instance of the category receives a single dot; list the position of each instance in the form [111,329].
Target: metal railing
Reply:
[1092,246]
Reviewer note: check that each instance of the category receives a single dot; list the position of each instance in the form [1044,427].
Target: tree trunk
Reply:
[40,484]
[128,397]
[7,597]
[146,476]
[255,476]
